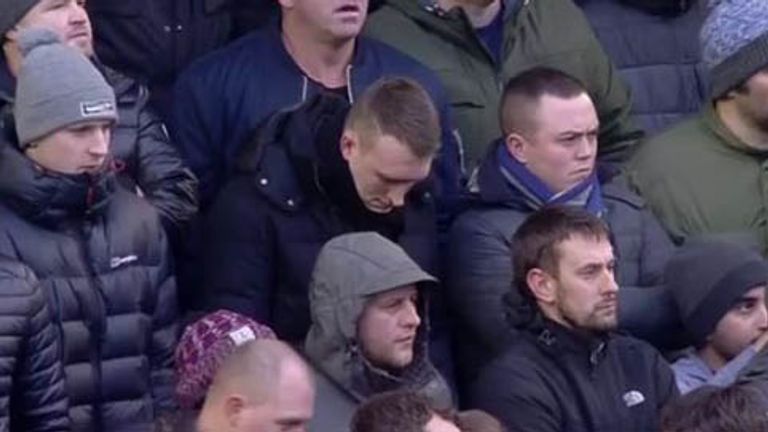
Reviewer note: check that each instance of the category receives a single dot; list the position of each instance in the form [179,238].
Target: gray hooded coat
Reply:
[350,269]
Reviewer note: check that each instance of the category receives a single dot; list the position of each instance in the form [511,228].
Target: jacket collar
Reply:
[491,187]
[556,339]
[47,198]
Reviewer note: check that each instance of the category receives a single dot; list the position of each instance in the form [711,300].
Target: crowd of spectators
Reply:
[375,216]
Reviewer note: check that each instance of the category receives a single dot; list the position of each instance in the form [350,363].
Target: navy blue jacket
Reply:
[221,99]
[655,47]
[269,222]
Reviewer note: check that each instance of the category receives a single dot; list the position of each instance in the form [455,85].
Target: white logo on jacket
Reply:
[116,262]
[632,398]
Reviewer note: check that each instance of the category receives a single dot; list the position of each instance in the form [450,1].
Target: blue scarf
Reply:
[586,194]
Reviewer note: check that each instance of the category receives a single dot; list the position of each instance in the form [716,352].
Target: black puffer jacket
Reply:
[101,255]
[32,394]
[140,146]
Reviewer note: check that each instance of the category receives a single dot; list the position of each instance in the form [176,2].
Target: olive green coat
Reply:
[552,33]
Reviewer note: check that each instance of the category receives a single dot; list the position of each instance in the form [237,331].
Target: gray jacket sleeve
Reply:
[480,274]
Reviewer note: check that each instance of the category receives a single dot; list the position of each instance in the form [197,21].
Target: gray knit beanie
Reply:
[12,12]
[57,87]
[707,276]
[734,42]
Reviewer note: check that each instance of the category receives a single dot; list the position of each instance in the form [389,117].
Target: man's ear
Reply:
[233,407]
[517,146]
[349,144]
[542,286]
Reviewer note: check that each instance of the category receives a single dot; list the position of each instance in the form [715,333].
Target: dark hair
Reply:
[535,243]
[528,87]
[401,411]
[401,108]
[712,409]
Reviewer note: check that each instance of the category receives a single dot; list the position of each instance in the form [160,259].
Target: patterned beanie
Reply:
[205,345]
[734,42]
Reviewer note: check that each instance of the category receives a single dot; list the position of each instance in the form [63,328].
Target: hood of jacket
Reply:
[349,270]
[48,198]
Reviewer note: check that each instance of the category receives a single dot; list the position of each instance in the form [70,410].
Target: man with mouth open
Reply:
[567,371]
[546,156]
[368,301]
[315,48]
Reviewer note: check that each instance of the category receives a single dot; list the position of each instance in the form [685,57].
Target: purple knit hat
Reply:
[204,346]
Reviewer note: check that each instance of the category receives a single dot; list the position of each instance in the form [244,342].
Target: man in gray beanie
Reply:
[719,288]
[707,175]
[143,155]
[99,251]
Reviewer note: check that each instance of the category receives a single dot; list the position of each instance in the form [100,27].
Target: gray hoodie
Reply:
[350,269]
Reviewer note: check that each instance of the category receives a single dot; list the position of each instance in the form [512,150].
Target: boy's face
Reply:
[742,325]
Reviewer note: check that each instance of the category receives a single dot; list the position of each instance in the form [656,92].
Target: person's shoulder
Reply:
[242,56]
[681,134]
[390,61]
[521,356]
[633,347]
[618,191]
[16,279]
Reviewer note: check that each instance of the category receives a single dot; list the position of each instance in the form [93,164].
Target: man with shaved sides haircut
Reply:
[264,386]
[546,156]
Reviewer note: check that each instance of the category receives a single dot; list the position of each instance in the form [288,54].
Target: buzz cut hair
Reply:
[523,92]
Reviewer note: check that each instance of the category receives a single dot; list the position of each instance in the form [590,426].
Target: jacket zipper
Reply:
[97,325]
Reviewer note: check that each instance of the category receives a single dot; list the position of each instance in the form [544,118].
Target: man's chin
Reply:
[84,45]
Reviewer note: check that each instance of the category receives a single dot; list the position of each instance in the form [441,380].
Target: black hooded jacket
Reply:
[552,379]
[100,254]
[291,194]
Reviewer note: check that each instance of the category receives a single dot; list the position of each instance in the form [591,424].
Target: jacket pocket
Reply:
[126,8]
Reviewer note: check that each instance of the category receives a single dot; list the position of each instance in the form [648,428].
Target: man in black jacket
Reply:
[32,394]
[547,155]
[99,251]
[140,144]
[315,172]
[567,371]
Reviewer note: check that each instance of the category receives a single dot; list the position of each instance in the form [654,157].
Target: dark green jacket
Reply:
[699,178]
[552,33]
